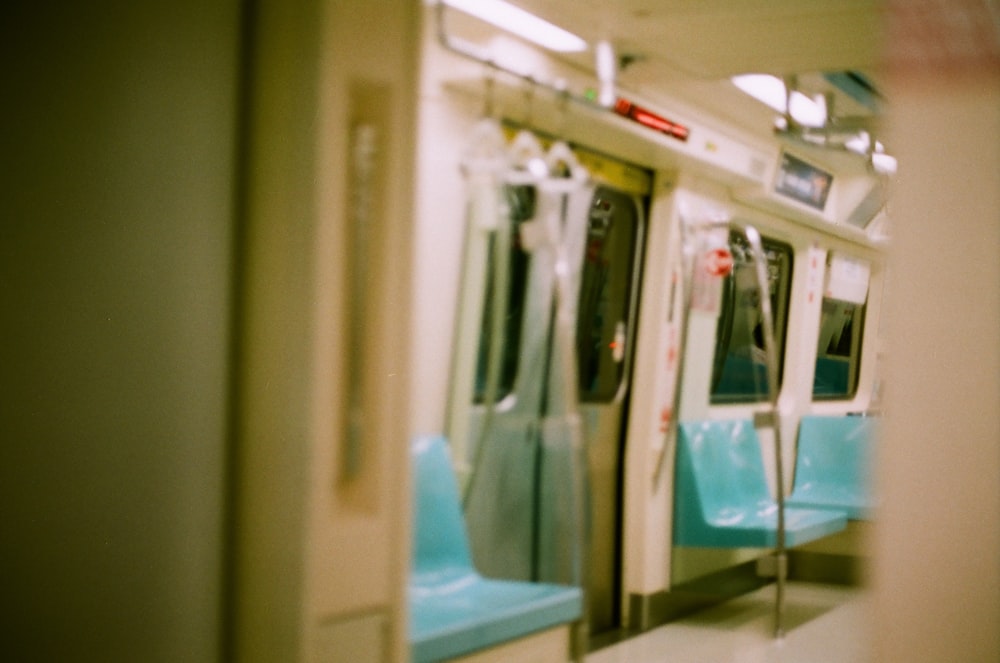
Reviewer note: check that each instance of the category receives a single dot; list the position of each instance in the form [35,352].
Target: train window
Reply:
[739,372]
[521,203]
[838,355]
[605,291]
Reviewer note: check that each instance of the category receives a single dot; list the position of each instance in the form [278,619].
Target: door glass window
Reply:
[605,291]
[739,373]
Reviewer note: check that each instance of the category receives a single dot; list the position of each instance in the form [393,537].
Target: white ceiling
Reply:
[692,47]
[720,38]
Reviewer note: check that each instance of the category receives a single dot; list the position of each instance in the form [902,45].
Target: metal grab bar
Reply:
[771,418]
[471,51]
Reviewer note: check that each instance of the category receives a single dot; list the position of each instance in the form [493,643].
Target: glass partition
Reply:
[838,354]
[739,373]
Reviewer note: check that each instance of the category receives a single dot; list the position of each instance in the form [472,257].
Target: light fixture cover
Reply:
[770,90]
[522,23]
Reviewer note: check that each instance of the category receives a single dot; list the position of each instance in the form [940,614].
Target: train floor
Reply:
[824,624]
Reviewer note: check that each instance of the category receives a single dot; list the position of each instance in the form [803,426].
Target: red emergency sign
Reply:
[719,261]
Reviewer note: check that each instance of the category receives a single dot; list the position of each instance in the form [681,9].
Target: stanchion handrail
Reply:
[470,51]
[771,418]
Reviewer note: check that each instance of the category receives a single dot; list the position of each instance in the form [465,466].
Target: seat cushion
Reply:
[453,609]
[833,465]
[474,613]
[721,497]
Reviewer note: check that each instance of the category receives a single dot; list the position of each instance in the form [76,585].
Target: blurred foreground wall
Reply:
[937,570]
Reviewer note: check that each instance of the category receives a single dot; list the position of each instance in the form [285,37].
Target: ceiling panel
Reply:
[718,38]
[690,48]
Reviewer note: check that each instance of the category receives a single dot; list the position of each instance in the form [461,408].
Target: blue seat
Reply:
[453,610]
[833,465]
[721,497]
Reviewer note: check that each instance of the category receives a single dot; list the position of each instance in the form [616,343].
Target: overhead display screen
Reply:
[803,182]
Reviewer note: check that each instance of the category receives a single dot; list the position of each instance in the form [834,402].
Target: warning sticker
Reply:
[719,261]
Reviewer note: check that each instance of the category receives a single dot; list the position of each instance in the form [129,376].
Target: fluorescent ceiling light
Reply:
[763,87]
[884,164]
[524,24]
[771,91]
[859,143]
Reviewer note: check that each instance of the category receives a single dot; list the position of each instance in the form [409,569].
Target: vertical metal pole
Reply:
[773,419]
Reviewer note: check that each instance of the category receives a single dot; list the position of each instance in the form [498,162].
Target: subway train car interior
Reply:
[499,331]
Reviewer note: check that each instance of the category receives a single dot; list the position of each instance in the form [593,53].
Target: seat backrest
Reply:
[440,540]
[836,450]
[723,459]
